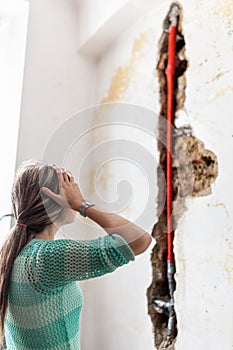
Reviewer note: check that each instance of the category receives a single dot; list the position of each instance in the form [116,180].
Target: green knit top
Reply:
[44,300]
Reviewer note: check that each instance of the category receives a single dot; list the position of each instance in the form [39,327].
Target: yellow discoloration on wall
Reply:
[119,85]
[140,42]
[91,182]
[120,82]
[98,181]
[222,9]
[221,92]
[215,9]
[220,204]
[123,75]
[219,75]
[229,268]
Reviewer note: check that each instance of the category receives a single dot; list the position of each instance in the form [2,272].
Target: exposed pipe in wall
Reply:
[190,171]
[170,71]
[161,306]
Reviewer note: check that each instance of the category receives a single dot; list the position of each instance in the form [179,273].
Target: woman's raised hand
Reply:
[70,195]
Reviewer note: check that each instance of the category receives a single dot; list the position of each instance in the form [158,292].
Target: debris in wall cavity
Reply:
[194,170]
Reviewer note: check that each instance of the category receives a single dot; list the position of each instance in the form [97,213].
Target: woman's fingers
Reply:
[69,192]
[69,175]
[58,198]
[60,178]
[65,175]
[50,194]
[71,179]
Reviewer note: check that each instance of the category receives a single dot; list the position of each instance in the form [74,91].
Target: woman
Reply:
[40,299]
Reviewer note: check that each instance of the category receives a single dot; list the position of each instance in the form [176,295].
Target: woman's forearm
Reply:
[138,239]
[71,197]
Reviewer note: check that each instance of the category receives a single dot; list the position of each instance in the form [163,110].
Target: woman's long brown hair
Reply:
[32,208]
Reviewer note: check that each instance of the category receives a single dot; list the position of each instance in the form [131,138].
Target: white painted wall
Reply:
[93,14]
[203,243]
[13,33]
[59,82]
[204,240]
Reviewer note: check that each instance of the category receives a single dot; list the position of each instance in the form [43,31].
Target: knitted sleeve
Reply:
[62,261]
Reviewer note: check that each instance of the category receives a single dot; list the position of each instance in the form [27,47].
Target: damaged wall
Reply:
[126,72]
[126,76]
[194,169]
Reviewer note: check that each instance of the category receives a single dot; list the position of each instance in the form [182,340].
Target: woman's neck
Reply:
[48,233]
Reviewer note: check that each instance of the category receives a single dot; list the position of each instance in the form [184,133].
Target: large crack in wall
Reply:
[194,170]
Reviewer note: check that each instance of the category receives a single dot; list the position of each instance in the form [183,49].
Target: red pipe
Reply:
[170,70]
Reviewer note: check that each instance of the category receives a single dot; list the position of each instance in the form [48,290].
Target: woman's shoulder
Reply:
[37,245]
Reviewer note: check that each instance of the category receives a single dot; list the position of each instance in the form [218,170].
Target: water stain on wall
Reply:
[217,76]
[221,92]
[124,74]
[121,80]
[219,9]
[193,175]
[222,9]
[229,268]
